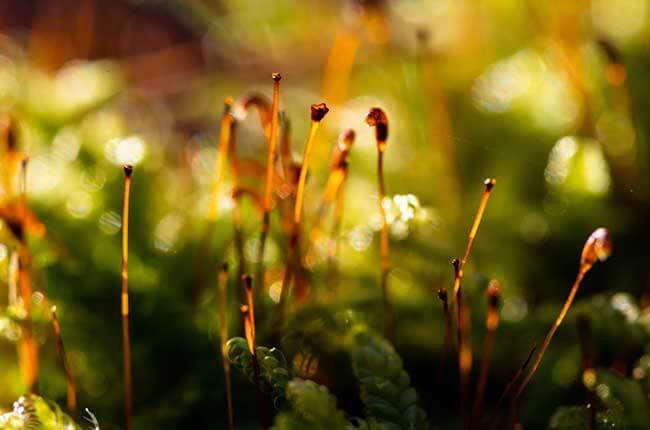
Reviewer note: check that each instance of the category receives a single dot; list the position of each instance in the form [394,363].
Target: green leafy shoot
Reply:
[273,366]
[386,389]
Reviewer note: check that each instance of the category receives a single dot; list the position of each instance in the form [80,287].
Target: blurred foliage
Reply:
[34,412]
[312,406]
[549,97]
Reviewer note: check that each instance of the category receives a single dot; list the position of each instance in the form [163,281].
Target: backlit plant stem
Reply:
[318,112]
[463,329]
[222,156]
[335,237]
[510,387]
[598,247]
[491,325]
[204,258]
[270,179]
[489,185]
[71,393]
[126,342]
[237,212]
[27,346]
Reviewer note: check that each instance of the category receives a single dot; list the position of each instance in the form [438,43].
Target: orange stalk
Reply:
[71,389]
[224,142]
[511,386]
[491,325]
[237,213]
[334,192]
[598,247]
[27,347]
[335,236]
[270,178]
[489,184]
[273,138]
[126,342]
[205,252]
[318,112]
[463,329]
[340,60]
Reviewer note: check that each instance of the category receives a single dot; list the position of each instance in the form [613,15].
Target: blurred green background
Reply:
[550,98]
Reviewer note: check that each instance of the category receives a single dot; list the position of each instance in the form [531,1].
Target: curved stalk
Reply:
[598,247]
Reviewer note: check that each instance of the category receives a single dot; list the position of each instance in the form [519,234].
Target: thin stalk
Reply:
[464,350]
[335,237]
[222,156]
[270,179]
[290,174]
[338,67]
[237,212]
[377,118]
[551,333]
[126,342]
[273,138]
[27,347]
[223,333]
[318,112]
[489,184]
[71,394]
[598,247]
[205,252]
[491,325]
[337,175]
[334,192]
[511,385]
[12,279]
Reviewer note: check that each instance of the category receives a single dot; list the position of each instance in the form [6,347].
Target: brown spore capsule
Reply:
[456,263]
[248,281]
[318,111]
[442,295]
[598,247]
[377,118]
[494,294]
